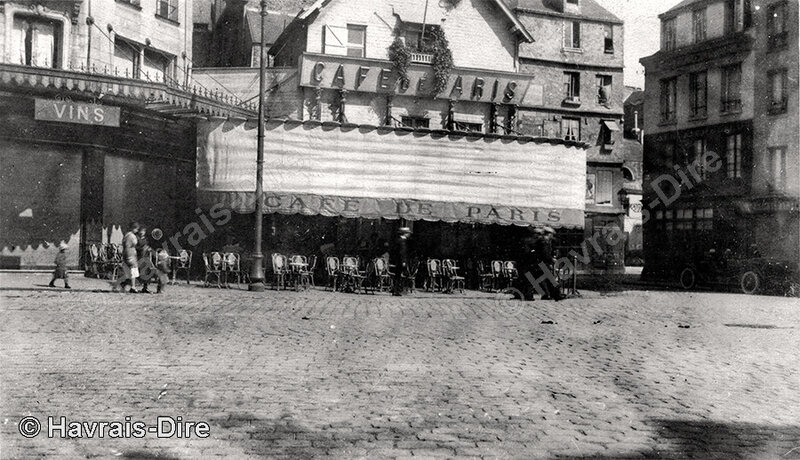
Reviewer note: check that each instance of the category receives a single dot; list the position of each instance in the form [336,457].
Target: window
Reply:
[412,33]
[731,88]
[668,95]
[604,187]
[777,90]
[603,89]
[608,32]
[776,26]
[777,167]
[127,58]
[733,157]
[571,129]
[467,127]
[132,60]
[668,34]
[572,86]
[669,155]
[572,34]
[699,25]
[36,42]
[416,122]
[156,66]
[356,40]
[731,16]
[572,2]
[167,9]
[699,158]
[698,89]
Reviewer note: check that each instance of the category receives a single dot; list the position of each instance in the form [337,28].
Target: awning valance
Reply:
[360,171]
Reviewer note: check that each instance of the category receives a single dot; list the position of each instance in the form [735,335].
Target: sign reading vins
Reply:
[77,112]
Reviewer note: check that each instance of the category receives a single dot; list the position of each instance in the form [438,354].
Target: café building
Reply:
[381,113]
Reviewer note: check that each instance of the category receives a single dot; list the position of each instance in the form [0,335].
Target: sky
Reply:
[642,32]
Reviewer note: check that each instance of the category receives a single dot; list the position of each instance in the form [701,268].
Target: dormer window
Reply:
[415,40]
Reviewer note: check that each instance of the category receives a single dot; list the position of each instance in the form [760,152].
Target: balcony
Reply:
[422,58]
[169,98]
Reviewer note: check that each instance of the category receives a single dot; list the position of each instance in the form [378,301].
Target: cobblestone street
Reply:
[635,374]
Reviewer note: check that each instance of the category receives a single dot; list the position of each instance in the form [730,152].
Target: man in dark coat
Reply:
[399,257]
[545,256]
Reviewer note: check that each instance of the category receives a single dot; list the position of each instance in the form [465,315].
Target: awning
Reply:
[611,125]
[364,171]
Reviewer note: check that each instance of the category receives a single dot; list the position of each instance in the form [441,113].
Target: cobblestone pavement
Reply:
[313,374]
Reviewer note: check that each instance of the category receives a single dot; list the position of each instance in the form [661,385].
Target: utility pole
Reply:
[257,268]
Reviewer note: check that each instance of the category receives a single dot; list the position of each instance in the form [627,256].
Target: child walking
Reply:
[61,266]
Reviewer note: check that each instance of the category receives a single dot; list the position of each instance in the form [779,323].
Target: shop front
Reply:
[337,189]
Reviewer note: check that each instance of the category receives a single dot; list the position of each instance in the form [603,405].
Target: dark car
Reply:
[753,274]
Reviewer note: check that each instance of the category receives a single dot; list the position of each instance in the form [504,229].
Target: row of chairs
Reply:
[105,261]
[296,271]
[351,274]
[502,274]
[443,276]
[221,267]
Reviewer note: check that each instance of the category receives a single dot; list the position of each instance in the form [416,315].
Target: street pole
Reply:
[257,269]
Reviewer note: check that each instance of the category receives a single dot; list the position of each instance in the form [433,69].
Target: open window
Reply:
[350,40]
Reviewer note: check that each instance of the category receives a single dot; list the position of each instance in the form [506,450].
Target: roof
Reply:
[275,24]
[681,6]
[501,4]
[589,9]
[636,98]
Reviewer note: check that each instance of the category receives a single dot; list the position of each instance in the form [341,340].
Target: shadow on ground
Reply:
[710,440]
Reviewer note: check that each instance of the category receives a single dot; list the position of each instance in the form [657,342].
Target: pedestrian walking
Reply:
[146,268]
[399,256]
[61,266]
[130,264]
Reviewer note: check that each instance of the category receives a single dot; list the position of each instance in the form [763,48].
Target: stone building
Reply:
[419,127]
[577,57]
[97,123]
[723,87]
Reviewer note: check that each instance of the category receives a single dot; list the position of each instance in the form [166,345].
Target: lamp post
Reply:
[257,269]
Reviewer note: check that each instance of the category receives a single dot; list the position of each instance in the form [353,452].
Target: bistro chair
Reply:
[511,273]
[182,262]
[409,275]
[299,270]
[213,264]
[383,278]
[353,277]
[454,280]
[93,261]
[333,269]
[484,277]
[498,275]
[434,279]
[233,267]
[280,270]
[308,271]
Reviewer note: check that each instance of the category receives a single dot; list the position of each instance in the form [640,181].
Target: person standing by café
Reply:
[146,268]
[545,260]
[130,264]
[399,257]
[528,263]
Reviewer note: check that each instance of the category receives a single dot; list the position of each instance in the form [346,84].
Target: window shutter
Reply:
[335,38]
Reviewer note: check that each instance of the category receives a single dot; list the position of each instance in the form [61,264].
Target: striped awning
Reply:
[366,171]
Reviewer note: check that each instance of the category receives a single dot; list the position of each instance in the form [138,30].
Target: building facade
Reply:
[395,67]
[721,143]
[97,127]
[577,57]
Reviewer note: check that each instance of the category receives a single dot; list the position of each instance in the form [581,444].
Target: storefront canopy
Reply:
[375,172]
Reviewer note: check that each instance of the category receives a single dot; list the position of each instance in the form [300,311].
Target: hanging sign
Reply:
[76,112]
